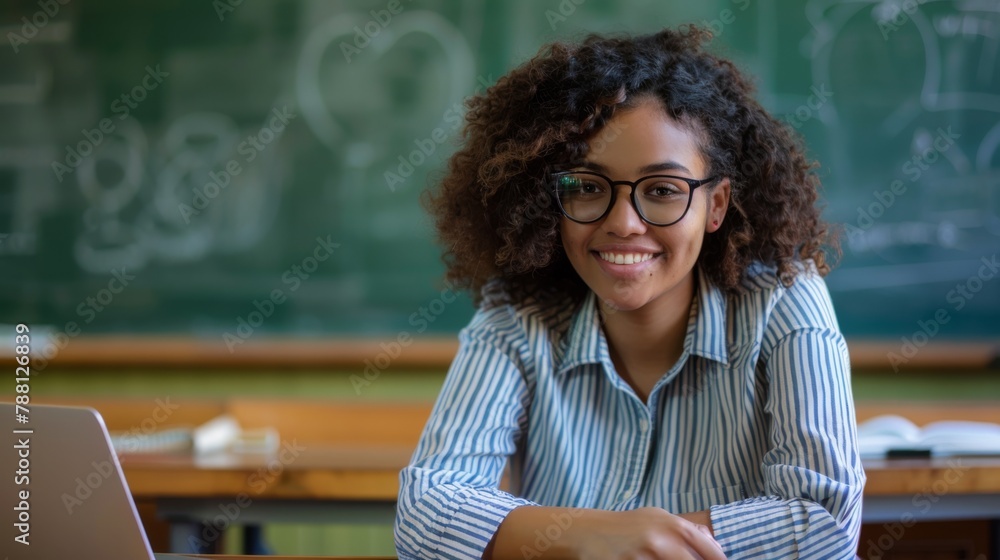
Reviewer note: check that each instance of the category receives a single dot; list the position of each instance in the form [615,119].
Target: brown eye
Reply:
[662,190]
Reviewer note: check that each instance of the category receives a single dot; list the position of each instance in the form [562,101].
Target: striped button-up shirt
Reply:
[755,422]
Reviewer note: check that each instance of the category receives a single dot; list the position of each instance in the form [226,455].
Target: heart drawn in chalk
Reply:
[398,84]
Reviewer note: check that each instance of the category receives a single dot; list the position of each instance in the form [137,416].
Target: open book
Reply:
[221,433]
[891,435]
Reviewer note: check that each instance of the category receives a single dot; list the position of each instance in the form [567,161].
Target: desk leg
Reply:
[253,541]
[995,538]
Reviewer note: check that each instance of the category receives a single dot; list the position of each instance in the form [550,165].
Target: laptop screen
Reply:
[66,497]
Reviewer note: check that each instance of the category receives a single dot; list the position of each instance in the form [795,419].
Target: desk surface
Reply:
[962,475]
[345,472]
[223,557]
[357,472]
[170,556]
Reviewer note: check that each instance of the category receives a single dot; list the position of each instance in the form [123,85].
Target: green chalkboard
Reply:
[181,167]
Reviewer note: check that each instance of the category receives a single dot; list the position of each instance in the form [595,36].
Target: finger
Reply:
[705,544]
[708,533]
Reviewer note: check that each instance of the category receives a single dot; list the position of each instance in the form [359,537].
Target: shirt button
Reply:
[625,496]
[643,424]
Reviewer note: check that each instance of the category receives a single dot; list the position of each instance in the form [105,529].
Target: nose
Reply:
[623,219]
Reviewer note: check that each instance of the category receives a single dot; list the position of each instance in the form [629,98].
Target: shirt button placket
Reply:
[637,461]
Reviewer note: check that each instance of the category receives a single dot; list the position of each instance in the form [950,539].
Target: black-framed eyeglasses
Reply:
[660,200]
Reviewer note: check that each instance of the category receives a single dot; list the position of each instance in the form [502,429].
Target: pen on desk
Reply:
[904,453]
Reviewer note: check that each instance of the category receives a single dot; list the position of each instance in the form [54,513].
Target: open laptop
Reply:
[63,489]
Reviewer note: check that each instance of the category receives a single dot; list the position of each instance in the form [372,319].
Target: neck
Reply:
[645,343]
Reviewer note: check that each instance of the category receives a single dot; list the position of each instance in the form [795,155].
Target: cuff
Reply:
[760,527]
[468,518]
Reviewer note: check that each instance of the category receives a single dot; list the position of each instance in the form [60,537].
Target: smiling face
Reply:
[630,264]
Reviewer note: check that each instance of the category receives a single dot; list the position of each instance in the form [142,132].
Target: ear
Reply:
[718,203]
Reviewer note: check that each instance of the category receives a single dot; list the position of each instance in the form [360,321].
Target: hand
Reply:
[649,534]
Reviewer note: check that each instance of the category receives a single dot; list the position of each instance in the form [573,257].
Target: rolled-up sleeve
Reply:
[449,502]
[812,471]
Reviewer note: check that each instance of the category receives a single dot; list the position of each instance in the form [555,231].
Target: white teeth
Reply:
[626,258]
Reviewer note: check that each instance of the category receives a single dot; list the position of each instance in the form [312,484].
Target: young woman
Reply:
[655,356]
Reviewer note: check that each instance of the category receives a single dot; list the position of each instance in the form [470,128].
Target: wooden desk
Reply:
[230,557]
[331,484]
[359,484]
[960,475]
[304,472]
[944,489]
[223,557]
[348,469]
[371,473]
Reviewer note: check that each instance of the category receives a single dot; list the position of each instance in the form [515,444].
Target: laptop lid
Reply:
[64,495]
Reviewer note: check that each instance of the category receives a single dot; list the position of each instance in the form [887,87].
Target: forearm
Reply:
[551,532]
[565,533]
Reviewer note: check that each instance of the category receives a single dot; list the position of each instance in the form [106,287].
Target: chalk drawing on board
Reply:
[828,17]
[956,206]
[108,240]
[313,99]
[353,116]
[138,218]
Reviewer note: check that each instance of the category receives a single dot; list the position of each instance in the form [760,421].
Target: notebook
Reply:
[894,436]
[64,495]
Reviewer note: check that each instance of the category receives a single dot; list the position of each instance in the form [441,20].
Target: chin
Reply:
[614,304]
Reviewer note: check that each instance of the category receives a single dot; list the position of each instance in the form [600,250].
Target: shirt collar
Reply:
[706,331]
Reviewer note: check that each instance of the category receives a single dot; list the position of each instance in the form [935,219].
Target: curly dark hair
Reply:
[495,214]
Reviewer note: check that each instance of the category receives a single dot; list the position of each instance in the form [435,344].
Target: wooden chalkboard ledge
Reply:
[170,352]
[940,355]
[424,353]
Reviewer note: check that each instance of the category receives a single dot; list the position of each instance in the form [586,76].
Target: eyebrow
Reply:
[669,165]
